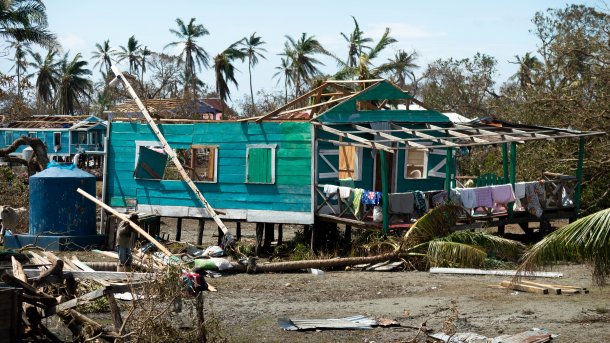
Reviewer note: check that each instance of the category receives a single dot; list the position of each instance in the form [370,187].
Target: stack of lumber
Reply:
[542,288]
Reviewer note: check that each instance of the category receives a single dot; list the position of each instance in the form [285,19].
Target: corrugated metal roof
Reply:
[347,323]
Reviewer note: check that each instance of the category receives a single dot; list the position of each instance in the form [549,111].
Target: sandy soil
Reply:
[248,306]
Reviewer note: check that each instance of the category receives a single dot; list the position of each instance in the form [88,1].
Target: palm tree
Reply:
[300,52]
[193,54]
[252,47]
[103,55]
[585,240]
[73,83]
[47,76]
[224,70]
[400,67]
[21,64]
[356,41]
[528,66]
[130,53]
[284,70]
[25,21]
[143,53]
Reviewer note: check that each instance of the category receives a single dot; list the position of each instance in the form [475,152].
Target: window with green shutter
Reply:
[260,163]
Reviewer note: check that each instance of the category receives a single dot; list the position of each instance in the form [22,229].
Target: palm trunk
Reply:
[251,91]
[298,265]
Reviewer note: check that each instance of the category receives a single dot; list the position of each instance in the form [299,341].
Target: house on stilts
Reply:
[359,153]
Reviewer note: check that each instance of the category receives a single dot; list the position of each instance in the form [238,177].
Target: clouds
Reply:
[74,42]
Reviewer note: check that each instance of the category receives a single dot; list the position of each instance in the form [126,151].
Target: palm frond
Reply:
[465,255]
[587,239]
[435,223]
[499,247]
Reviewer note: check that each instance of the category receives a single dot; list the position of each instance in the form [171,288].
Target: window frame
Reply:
[425,166]
[55,140]
[273,148]
[216,148]
[357,162]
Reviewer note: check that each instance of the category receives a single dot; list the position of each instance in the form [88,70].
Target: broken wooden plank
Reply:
[470,271]
[565,289]
[524,288]
[99,275]
[552,289]
[98,293]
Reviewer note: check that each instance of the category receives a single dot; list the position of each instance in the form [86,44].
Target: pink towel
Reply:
[484,197]
[502,194]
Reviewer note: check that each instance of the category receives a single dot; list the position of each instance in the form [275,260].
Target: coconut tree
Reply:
[400,67]
[143,53]
[285,71]
[73,83]
[224,69]
[528,66]
[103,55]
[585,240]
[25,21]
[192,54]
[300,54]
[252,48]
[130,53]
[19,58]
[356,44]
[47,74]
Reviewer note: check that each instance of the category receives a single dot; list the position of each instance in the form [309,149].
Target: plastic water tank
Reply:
[56,209]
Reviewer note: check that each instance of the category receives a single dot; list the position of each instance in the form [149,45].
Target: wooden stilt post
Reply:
[238,230]
[178,229]
[384,192]
[448,159]
[348,234]
[220,235]
[505,160]
[269,233]
[259,237]
[581,158]
[200,233]
[280,233]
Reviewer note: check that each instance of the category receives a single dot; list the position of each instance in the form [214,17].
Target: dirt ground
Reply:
[248,306]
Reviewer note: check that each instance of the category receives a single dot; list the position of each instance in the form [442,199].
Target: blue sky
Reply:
[435,29]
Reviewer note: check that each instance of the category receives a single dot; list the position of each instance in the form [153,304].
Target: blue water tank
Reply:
[56,209]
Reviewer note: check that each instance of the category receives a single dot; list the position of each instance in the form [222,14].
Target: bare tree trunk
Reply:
[298,265]
[39,160]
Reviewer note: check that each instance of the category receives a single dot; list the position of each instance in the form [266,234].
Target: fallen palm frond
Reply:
[587,239]
[435,224]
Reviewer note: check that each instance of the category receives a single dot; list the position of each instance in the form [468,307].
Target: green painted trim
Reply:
[505,160]
[513,173]
[581,158]
[448,171]
[384,192]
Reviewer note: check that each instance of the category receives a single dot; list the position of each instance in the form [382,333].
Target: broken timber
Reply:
[469,271]
[168,150]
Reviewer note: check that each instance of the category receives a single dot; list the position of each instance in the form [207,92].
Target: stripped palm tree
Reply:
[25,21]
[143,53]
[400,68]
[130,53]
[300,54]
[252,48]
[529,65]
[585,240]
[73,84]
[19,58]
[356,44]
[285,71]
[47,74]
[224,70]
[103,55]
[193,54]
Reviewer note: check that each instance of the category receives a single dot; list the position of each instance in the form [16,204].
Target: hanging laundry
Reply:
[520,190]
[420,202]
[467,197]
[439,198]
[502,194]
[330,189]
[344,192]
[484,198]
[357,200]
[371,198]
[533,193]
[403,203]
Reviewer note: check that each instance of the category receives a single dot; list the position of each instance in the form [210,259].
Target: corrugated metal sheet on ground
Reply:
[348,323]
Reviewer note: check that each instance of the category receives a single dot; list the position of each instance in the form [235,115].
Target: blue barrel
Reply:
[56,209]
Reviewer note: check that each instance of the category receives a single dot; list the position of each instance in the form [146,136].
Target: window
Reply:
[8,138]
[416,162]
[260,163]
[57,140]
[32,134]
[82,137]
[350,159]
[151,163]
[93,137]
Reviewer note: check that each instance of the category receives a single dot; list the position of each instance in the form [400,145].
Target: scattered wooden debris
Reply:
[348,323]
[531,336]
[541,288]
[470,271]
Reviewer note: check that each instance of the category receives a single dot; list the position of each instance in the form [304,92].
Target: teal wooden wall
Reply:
[291,191]
[45,135]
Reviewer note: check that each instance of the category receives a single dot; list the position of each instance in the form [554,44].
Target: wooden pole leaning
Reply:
[160,246]
[172,155]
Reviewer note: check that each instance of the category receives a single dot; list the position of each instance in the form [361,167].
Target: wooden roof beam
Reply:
[423,135]
[304,96]
[457,134]
[353,137]
[389,137]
